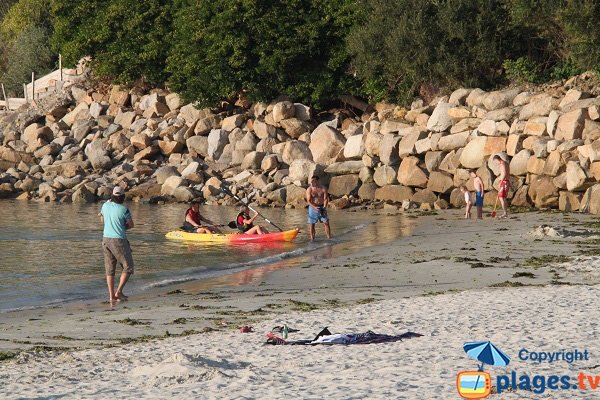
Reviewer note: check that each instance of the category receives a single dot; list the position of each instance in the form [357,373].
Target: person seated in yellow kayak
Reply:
[193,220]
[245,223]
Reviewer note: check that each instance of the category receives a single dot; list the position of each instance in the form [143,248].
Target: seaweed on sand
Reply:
[130,321]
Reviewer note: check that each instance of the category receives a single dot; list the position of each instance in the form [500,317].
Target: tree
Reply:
[580,19]
[127,40]
[28,52]
[265,48]
[24,30]
[22,15]
[402,44]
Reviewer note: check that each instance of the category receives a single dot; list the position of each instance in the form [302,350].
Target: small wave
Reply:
[50,304]
[312,246]
[239,266]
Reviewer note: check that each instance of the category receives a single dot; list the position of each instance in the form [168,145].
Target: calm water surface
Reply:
[52,252]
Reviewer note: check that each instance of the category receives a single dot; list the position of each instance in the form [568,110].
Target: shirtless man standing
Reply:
[317,199]
[504,183]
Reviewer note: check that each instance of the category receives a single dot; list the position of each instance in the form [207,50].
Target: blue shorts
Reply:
[315,216]
[478,199]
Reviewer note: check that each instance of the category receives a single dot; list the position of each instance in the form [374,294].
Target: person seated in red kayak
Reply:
[245,223]
[193,220]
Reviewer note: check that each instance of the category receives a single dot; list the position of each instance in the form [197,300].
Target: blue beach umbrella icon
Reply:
[486,353]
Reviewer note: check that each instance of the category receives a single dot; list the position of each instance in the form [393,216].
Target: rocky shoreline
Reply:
[76,147]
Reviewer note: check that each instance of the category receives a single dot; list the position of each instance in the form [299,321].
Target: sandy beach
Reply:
[451,280]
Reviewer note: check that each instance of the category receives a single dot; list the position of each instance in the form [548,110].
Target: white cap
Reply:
[118,191]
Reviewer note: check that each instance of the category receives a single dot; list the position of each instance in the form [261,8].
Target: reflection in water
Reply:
[51,252]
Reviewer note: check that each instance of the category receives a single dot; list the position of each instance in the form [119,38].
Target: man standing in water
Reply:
[317,199]
[117,219]
[504,184]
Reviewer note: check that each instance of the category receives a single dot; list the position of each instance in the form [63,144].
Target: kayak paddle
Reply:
[228,192]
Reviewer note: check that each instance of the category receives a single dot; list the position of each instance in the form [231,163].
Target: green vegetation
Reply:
[264,49]
[367,300]
[302,306]
[127,40]
[24,34]
[542,261]
[309,50]
[507,284]
[130,321]
[7,355]
[523,275]
[433,293]
[403,47]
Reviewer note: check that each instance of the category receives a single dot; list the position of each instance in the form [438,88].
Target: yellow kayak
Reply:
[285,236]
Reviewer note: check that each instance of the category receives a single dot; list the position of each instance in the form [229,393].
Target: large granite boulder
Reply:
[302,170]
[96,153]
[591,200]
[326,145]
[283,110]
[440,182]
[439,120]
[354,148]
[343,185]
[410,174]
[296,150]
[385,175]
[388,150]
[570,125]
[217,139]
[394,193]
[542,191]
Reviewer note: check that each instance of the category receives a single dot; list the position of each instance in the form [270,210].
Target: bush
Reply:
[522,70]
[28,52]
[565,69]
[22,15]
[126,39]
[16,17]
[4,7]
[406,43]
[562,36]
[580,19]
[266,49]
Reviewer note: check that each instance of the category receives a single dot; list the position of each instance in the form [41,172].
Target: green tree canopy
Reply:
[24,32]
[22,15]
[581,22]
[127,40]
[265,48]
[401,44]
[28,52]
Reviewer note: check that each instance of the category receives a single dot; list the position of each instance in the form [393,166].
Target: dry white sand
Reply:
[444,254]
[232,365]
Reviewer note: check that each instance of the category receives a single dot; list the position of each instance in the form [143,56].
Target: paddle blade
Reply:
[232,225]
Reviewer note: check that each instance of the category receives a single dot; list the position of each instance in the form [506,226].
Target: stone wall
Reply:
[76,148]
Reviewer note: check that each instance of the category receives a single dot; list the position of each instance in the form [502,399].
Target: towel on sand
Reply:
[326,337]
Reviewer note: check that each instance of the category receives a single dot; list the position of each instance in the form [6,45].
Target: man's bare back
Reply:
[504,170]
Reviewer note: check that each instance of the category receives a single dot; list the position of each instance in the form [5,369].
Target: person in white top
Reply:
[468,200]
